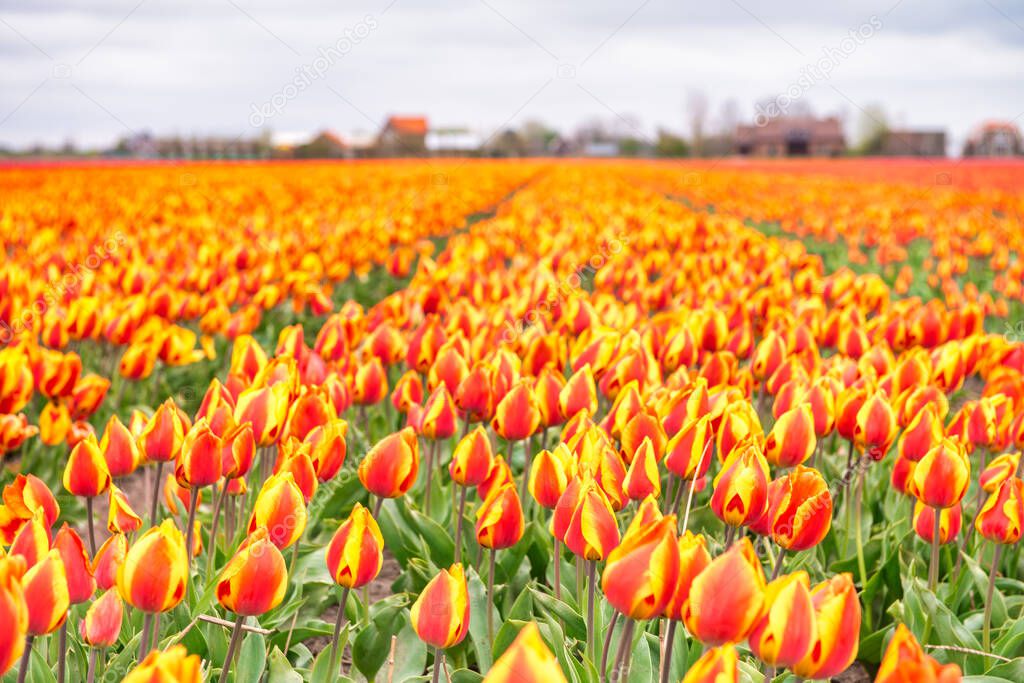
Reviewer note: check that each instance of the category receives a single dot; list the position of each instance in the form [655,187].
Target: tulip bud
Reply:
[643,478]
[786,631]
[266,408]
[162,437]
[440,420]
[28,494]
[238,451]
[693,559]
[14,431]
[804,514]
[86,473]
[120,516]
[717,665]
[500,520]
[255,579]
[119,449]
[792,440]
[200,461]
[408,391]
[471,459]
[355,553]
[592,531]
[54,423]
[108,561]
[294,459]
[579,393]
[741,487]
[876,426]
[174,664]
[328,448]
[999,470]
[390,468]
[905,661]
[475,397]
[497,476]
[689,451]
[32,541]
[102,624]
[942,476]
[642,572]
[526,659]
[837,614]
[309,411]
[517,416]
[81,583]
[440,615]
[13,612]
[550,473]
[949,522]
[924,433]
[1001,517]
[155,570]
[726,599]
[370,384]
[46,594]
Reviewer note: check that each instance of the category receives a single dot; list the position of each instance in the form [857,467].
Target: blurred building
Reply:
[403,136]
[453,142]
[791,136]
[994,139]
[914,143]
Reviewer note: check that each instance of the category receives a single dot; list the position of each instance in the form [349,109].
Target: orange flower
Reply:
[13,612]
[999,470]
[32,541]
[689,451]
[792,440]
[81,584]
[46,594]
[786,631]
[905,662]
[102,624]
[592,531]
[355,553]
[390,468]
[162,437]
[643,478]
[266,408]
[54,423]
[924,433]
[499,520]
[175,664]
[517,416]
[440,420]
[108,561]
[942,476]
[949,522]
[693,559]
[804,514]
[550,473]
[154,573]
[328,448]
[23,497]
[370,384]
[294,458]
[876,426]
[88,395]
[579,393]
[474,397]
[120,516]
[440,615]
[200,461]
[527,660]
[255,580]
[1002,515]
[14,431]
[86,473]
[280,507]
[119,449]
[642,572]
[717,665]
[238,450]
[741,487]
[726,599]
[309,411]
[471,459]
[408,391]
[837,614]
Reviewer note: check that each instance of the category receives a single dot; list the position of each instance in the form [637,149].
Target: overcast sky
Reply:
[94,70]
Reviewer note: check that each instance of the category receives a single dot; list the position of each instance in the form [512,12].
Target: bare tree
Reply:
[697,111]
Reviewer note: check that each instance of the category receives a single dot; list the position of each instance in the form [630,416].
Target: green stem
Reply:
[591,590]
[438,661]
[986,633]
[490,599]
[603,672]
[933,566]
[236,637]
[339,622]
[458,523]
[670,638]
[25,657]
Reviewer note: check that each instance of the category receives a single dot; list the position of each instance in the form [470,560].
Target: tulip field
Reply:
[512,421]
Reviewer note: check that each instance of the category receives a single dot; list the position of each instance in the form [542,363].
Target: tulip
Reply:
[14,431]
[328,448]
[643,426]
[294,459]
[120,516]
[497,476]
[255,580]
[591,531]
[281,508]
[370,384]
[517,416]
[86,475]
[792,440]
[717,665]
[471,459]
[924,522]
[500,520]
[550,473]
[408,391]
[174,664]
[440,420]
[642,572]
[119,449]
[689,451]
[22,498]
[999,470]
[108,560]
[924,433]
[46,594]
[741,487]
[726,599]
[309,411]
[54,423]
[693,559]
[786,631]
[266,408]
[526,660]
[32,541]
[804,514]
[837,615]
[390,468]
[102,624]
[942,476]
[440,615]
[876,426]
[579,393]
[475,397]
[13,612]
[643,478]
[905,661]
[1001,517]
[77,568]
[354,558]
[154,573]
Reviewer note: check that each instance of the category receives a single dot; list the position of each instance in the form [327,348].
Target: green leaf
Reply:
[38,670]
[321,672]
[410,654]
[521,612]
[252,659]
[479,606]
[466,676]
[575,626]
[280,670]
